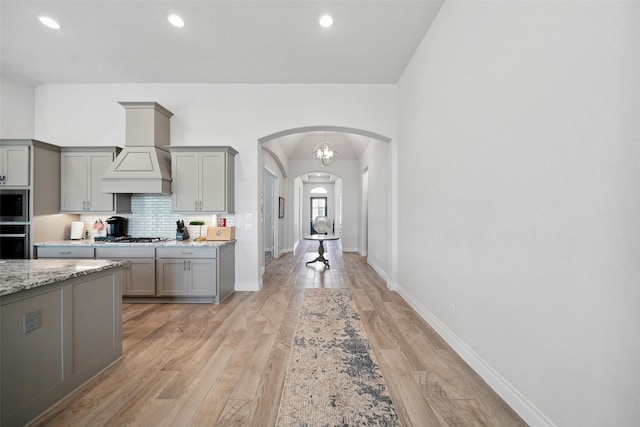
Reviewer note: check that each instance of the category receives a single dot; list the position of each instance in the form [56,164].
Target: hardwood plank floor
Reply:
[225,365]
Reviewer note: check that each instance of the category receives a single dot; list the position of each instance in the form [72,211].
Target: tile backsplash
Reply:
[151,216]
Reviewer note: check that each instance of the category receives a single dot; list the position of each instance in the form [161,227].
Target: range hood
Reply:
[143,165]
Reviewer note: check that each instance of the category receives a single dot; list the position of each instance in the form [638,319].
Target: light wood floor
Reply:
[208,365]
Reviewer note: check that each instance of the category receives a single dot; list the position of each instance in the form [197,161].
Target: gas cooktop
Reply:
[129,239]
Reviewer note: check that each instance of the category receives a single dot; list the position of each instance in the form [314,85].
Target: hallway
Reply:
[206,365]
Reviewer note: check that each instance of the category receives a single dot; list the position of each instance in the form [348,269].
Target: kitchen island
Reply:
[61,325]
[165,271]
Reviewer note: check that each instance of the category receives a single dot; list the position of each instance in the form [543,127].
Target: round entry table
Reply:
[320,238]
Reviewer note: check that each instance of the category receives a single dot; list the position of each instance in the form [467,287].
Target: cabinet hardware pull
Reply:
[186,253]
[64,252]
[196,205]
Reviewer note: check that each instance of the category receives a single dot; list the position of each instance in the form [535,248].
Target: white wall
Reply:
[376,160]
[206,114]
[297,213]
[280,191]
[520,122]
[17,107]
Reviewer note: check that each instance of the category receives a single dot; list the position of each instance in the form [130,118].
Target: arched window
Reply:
[318,190]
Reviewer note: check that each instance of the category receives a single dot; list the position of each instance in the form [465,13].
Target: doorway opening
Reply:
[364,246]
[270,185]
[352,213]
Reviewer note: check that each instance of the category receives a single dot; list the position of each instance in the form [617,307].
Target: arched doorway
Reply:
[374,159]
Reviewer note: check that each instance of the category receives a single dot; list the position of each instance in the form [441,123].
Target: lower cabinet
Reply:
[173,273]
[139,277]
[182,272]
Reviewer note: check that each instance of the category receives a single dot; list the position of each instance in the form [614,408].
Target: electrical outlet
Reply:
[452,309]
[30,321]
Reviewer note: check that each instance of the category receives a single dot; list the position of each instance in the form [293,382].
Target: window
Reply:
[318,190]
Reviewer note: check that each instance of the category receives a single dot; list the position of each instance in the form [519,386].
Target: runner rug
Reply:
[333,378]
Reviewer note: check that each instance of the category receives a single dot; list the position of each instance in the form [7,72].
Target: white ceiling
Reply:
[299,146]
[235,41]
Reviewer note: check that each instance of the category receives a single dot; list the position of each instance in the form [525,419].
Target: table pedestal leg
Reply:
[320,256]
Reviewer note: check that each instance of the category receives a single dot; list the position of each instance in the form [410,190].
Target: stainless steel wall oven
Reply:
[14,224]
[14,241]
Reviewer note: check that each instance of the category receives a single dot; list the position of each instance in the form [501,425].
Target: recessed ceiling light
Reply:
[326,21]
[49,22]
[176,21]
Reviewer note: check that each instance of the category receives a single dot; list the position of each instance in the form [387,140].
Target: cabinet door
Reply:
[15,165]
[213,183]
[73,189]
[140,278]
[171,277]
[202,274]
[97,164]
[184,172]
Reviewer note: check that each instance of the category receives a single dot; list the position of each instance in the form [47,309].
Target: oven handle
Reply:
[14,235]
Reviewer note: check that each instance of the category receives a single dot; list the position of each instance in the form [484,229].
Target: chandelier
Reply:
[324,153]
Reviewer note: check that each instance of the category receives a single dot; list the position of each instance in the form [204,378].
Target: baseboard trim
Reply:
[248,286]
[523,407]
[349,249]
[380,271]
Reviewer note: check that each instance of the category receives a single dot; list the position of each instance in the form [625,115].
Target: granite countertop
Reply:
[21,274]
[167,243]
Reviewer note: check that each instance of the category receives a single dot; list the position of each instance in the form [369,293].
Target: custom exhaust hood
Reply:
[144,164]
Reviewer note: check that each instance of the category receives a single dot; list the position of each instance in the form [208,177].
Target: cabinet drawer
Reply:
[187,252]
[64,252]
[126,252]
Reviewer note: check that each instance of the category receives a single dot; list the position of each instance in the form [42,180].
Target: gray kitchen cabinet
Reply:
[179,272]
[139,277]
[186,271]
[14,165]
[81,181]
[29,164]
[171,277]
[203,179]
[65,252]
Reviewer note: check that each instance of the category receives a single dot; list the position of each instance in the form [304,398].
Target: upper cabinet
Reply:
[14,165]
[81,181]
[203,179]
[33,165]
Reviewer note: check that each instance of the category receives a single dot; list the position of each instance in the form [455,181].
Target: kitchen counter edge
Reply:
[24,274]
[167,243]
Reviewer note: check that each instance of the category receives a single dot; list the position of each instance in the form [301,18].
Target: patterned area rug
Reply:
[333,378]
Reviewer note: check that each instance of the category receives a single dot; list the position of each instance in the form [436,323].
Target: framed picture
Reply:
[280,207]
